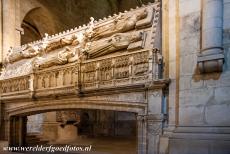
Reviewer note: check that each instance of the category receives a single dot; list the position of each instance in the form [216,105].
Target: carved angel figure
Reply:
[121,24]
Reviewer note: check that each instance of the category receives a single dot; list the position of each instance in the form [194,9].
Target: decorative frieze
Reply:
[56,78]
[14,85]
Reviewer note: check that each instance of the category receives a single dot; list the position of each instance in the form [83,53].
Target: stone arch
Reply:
[42,107]
[36,23]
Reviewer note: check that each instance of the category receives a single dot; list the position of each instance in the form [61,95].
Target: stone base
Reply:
[68,133]
[49,130]
[188,146]
[200,140]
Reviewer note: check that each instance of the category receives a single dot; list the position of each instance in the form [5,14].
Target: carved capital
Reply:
[142,118]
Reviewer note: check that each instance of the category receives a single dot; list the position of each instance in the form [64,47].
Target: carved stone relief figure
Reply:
[15,54]
[116,42]
[121,24]
[58,59]
[55,44]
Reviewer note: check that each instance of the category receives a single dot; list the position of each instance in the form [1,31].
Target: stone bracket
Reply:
[210,63]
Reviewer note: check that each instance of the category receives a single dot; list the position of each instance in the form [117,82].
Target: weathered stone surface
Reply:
[185,146]
[188,7]
[188,64]
[101,76]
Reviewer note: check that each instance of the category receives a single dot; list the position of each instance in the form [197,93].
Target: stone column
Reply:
[17,131]
[1,34]
[50,126]
[22,130]
[9,25]
[211,57]
[142,134]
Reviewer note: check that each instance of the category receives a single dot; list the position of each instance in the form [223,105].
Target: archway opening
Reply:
[35,24]
[103,130]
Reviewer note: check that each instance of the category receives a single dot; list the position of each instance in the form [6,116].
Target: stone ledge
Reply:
[152,85]
[203,129]
[200,136]
[201,133]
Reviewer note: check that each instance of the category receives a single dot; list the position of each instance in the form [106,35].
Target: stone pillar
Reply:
[154,130]
[1,112]
[1,34]
[9,25]
[211,57]
[50,126]
[142,134]
[22,130]
[17,131]
[67,133]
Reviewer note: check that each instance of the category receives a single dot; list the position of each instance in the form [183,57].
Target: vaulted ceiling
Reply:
[59,15]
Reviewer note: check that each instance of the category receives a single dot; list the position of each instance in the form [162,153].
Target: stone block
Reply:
[66,134]
[172,69]
[227,59]
[226,36]
[226,1]
[212,37]
[222,95]
[190,25]
[172,88]
[211,83]
[164,141]
[188,146]
[154,102]
[190,97]
[191,115]
[226,23]
[226,13]
[187,7]
[188,64]
[190,45]
[197,84]
[185,82]
[217,114]
[225,79]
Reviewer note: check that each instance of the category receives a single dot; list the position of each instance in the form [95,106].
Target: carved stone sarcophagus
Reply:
[120,50]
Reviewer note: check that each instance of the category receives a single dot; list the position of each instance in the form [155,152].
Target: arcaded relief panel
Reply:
[14,85]
[121,67]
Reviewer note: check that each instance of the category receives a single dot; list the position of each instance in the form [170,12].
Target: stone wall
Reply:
[198,103]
